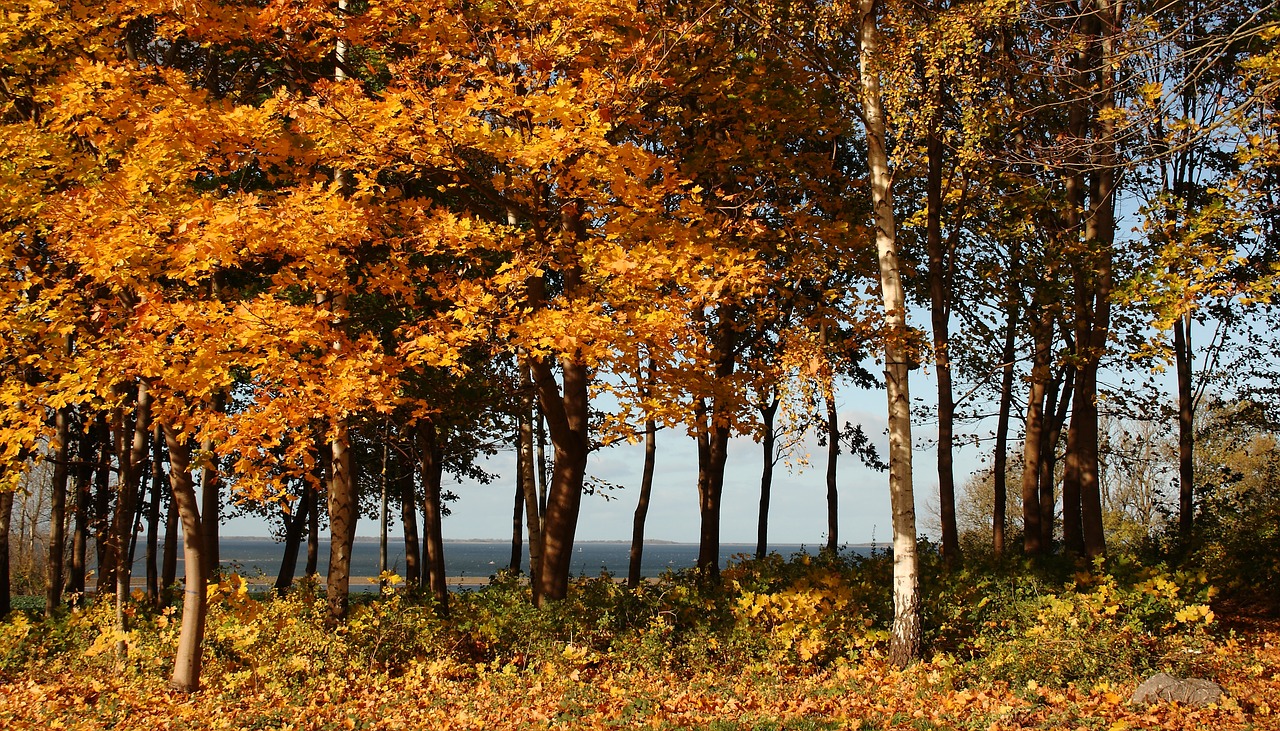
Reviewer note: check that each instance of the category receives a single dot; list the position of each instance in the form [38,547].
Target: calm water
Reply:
[481,559]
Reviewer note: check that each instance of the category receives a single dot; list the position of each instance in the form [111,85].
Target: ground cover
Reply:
[779,644]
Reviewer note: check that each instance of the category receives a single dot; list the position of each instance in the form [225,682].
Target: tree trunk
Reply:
[517,525]
[833,453]
[80,535]
[999,518]
[1057,401]
[383,504]
[713,449]
[153,520]
[58,509]
[295,525]
[433,534]
[768,413]
[186,663]
[904,644]
[1186,423]
[313,539]
[642,504]
[1032,530]
[567,420]
[6,518]
[131,457]
[529,481]
[104,547]
[343,512]
[940,315]
[169,565]
[409,522]
[211,501]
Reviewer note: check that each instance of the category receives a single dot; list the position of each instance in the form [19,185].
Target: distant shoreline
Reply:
[507,541]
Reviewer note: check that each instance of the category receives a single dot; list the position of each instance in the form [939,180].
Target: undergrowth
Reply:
[1050,626]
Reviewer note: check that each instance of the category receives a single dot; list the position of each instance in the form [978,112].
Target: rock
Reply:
[1189,691]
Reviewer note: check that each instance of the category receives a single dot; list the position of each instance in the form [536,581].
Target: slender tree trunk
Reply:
[6,519]
[516,561]
[1032,514]
[186,663]
[58,508]
[940,315]
[153,519]
[1057,401]
[211,506]
[529,481]
[642,504]
[768,441]
[80,535]
[131,457]
[713,452]
[904,644]
[1000,517]
[169,565]
[541,422]
[295,526]
[1186,423]
[342,522]
[409,522]
[433,535]
[104,547]
[383,517]
[833,453]
[313,532]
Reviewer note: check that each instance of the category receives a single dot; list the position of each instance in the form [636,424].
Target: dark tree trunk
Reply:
[768,414]
[313,538]
[1042,331]
[132,453]
[517,526]
[6,518]
[409,522]
[80,536]
[636,561]
[1008,353]
[713,448]
[833,453]
[211,503]
[169,565]
[153,520]
[295,527]
[58,510]
[1186,423]
[432,460]
[529,481]
[940,315]
[1060,399]
[567,420]
[104,547]
[383,505]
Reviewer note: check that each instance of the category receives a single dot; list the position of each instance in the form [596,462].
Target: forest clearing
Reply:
[322,265]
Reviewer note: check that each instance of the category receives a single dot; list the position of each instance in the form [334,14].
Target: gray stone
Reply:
[1189,691]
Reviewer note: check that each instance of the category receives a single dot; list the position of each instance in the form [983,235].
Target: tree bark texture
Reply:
[768,443]
[636,558]
[58,509]
[1000,518]
[432,463]
[131,454]
[904,644]
[186,663]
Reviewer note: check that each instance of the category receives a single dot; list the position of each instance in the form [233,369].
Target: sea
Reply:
[258,558]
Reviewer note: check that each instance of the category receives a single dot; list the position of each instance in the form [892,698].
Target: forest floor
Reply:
[667,657]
